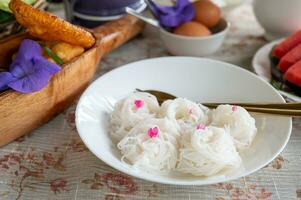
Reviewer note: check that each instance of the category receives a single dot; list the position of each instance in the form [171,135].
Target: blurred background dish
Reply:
[228,5]
[261,65]
[195,46]
[90,13]
[188,29]
[279,18]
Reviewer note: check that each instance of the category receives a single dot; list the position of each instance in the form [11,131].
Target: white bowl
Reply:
[198,79]
[195,46]
[279,18]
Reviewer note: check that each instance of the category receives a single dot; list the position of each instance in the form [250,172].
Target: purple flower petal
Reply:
[24,68]
[5,78]
[29,72]
[172,16]
[180,4]
[187,13]
[32,82]
[51,67]
[29,48]
[21,69]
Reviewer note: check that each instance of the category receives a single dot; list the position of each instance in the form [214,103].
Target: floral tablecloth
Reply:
[53,163]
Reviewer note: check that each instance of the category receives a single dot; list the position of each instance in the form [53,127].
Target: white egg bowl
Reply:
[197,79]
[195,46]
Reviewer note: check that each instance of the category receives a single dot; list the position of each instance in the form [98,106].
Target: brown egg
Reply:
[207,13]
[192,29]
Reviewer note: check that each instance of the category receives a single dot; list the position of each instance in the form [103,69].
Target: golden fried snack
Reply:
[66,51]
[47,26]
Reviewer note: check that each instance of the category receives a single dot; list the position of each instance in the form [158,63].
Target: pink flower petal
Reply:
[138,103]
[234,108]
[153,132]
[201,126]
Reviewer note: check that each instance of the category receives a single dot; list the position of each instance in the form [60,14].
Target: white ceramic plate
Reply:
[198,79]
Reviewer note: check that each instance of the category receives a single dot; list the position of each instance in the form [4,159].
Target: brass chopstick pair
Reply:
[285,109]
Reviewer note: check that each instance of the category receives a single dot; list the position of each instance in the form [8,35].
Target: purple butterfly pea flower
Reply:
[5,77]
[30,71]
[173,16]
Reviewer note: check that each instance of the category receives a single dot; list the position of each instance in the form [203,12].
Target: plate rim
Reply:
[255,59]
[178,182]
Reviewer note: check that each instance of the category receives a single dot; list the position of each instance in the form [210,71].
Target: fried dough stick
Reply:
[49,27]
[64,51]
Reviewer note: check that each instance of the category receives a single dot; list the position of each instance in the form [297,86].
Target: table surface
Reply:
[53,163]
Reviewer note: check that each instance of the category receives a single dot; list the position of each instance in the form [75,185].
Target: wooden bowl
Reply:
[21,113]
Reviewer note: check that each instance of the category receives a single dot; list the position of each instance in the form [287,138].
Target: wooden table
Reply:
[53,163]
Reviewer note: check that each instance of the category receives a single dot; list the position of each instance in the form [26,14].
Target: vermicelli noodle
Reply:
[180,135]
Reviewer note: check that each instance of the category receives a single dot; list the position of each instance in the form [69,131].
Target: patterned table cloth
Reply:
[53,163]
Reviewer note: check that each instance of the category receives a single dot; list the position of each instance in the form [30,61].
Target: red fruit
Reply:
[290,58]
[287,45]
[293,74]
